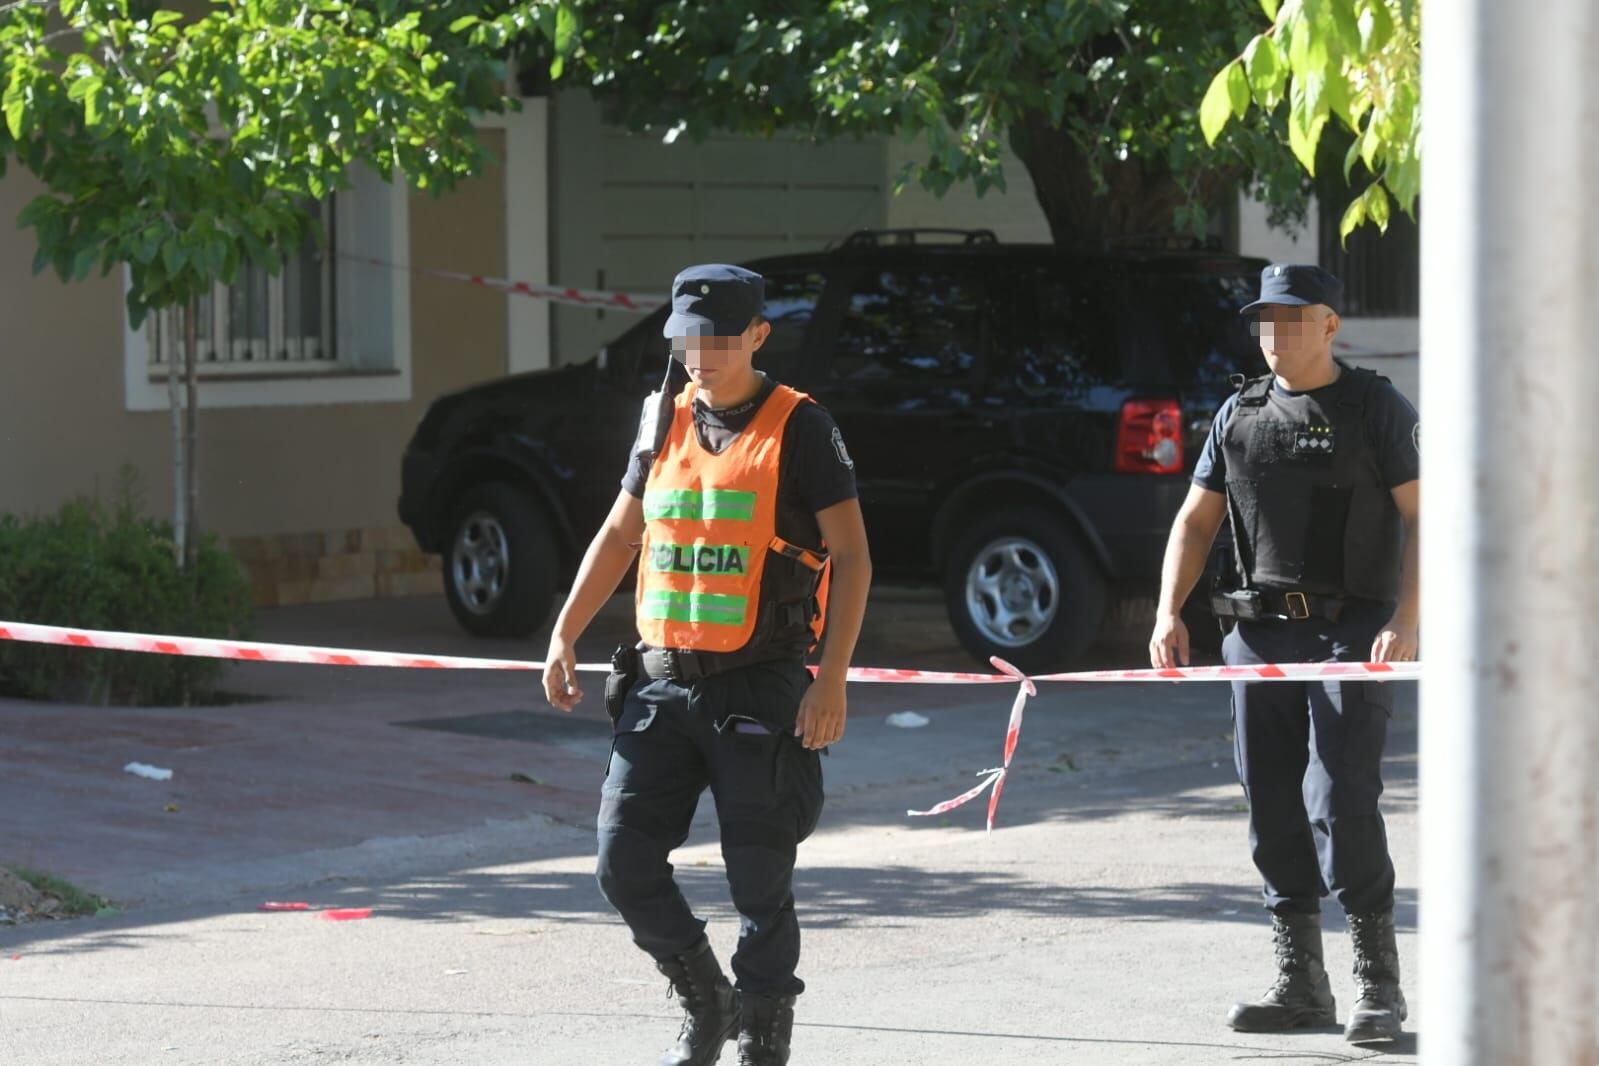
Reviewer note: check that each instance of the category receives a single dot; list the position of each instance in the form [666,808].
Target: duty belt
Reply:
[681,664]
[1290,605]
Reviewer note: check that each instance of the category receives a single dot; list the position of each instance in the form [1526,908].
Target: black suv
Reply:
[1022,419]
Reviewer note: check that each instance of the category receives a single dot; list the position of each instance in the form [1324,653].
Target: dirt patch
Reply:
[25,896]
[17,897]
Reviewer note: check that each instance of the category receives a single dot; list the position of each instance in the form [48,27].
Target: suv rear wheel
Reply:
[1018,585]
[500,566]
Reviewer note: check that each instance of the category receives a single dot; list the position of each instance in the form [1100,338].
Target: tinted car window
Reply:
[641,351]
[791,300]
[1057,334]
[910,325]
[1193,321]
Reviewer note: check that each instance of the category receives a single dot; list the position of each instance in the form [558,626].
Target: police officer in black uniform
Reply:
[1316,467]
[747,722]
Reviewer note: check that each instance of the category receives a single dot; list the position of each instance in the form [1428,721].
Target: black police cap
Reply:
[714,300]
[1297,285]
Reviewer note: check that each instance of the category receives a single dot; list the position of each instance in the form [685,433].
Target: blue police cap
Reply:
[714,300]
[1297,285]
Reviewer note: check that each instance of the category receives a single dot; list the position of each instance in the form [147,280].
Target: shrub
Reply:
[94,566]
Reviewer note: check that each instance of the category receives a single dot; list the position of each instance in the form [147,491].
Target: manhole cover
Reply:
[515,725]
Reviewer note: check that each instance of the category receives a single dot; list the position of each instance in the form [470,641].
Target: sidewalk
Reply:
[269,789]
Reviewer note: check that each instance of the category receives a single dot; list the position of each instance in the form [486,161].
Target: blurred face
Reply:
[714,361]
[1295,338]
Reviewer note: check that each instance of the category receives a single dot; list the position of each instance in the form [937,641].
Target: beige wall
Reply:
[265,470]
[1013,215]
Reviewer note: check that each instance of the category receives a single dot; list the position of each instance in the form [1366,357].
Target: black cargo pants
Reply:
[732,733]
[1309,755]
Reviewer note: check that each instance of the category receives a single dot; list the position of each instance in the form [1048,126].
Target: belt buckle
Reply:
[682,665]
[1298,605]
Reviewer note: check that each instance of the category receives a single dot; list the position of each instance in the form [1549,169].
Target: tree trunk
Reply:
[1138,201]
[191,484]
[168,321]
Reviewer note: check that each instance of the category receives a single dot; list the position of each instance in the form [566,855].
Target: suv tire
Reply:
[500,568]
[1018,585]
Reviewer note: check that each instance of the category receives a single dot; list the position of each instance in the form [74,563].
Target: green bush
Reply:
[97,567]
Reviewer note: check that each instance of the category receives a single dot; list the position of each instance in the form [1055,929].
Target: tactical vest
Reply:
[1305,491]
[714,576]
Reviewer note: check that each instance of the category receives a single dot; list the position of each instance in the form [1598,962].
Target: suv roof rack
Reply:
[876,238]
[1160,242]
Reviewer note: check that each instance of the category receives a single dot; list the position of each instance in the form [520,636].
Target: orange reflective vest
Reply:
[713,573]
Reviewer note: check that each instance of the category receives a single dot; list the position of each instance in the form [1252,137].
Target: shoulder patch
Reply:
[838,447]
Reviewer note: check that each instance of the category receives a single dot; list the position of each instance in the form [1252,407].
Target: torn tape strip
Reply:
[602,299]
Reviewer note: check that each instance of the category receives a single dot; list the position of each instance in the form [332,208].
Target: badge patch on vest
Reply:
[698,559]
[1312,441]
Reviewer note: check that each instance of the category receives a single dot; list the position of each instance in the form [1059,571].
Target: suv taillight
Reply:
[1149,437]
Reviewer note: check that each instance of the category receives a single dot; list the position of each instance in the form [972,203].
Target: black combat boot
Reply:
[767,1028]
[1301,997]
[1381,1009]
[710,1007]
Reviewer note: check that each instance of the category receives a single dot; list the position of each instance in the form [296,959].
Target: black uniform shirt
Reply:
[815,471]
[1390,418]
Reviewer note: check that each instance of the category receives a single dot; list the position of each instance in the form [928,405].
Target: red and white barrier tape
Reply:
[1013,733]
[601,299]
[252,651]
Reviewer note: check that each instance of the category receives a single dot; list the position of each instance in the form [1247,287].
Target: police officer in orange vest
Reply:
[740,503]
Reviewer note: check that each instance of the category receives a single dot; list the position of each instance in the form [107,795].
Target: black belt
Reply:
[681,664]
[1277,604]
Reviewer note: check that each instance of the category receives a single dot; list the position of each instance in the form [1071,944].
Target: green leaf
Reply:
[16,108]
[463,22]
[1377,209]
[172,256]
[1337,93]
[1238,88]
[1345,24]
[1265,73]
[1216,107]
[1376,26]
[82,87]
[565,27]
[1370,145]
[1349,159]
[1270,8]
[83,262]
[1354,215]
[1302,140]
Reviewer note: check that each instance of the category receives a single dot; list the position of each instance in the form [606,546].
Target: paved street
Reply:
[1111,918]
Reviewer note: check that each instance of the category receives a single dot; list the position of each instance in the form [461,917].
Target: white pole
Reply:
[1510,420]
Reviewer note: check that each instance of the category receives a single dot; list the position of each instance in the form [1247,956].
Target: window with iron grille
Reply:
[1381,272]
[263,323]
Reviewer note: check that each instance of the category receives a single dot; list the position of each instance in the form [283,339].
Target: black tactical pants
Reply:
[1309,756]
[733,733]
